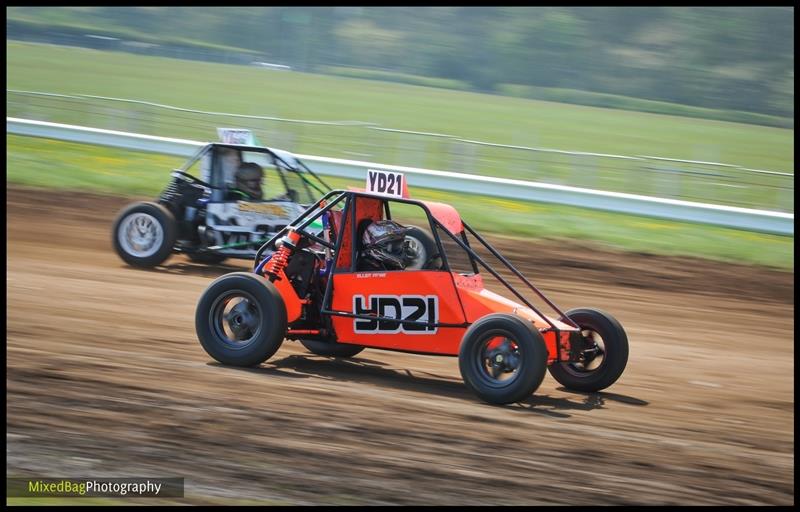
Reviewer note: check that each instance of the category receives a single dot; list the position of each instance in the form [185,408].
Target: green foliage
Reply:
[595,99]
[80,30]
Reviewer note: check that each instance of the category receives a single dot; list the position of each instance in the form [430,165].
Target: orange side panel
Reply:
[293,303]
[550,343]
[479,302]
[422,295]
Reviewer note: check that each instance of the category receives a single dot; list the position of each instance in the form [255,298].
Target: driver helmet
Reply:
[248,179]
[384,244]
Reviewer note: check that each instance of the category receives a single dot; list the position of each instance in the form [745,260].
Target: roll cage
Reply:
[285,163]
[437,222]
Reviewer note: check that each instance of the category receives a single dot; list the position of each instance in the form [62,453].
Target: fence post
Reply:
[462,157]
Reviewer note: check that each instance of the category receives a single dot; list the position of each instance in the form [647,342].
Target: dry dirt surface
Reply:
[106,378]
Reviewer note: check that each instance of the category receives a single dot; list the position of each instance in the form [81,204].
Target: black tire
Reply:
[610,337]
[157,229]
[429,253]
[252,330]
[322,348]
[208,258]
[527,361]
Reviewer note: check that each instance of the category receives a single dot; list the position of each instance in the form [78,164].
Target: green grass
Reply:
[497,119]
[503,120]
[595,99]
[48,163]
[390,76]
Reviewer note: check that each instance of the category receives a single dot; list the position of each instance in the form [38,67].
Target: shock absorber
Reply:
[280,258]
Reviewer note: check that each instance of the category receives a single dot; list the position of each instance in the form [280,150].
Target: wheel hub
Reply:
[503,359]
[592,352]
[141,234]
[242,320]
[588,355]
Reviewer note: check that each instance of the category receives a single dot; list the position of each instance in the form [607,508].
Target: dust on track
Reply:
[106,378]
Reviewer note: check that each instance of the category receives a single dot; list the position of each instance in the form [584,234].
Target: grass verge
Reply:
[484,117]
[55,164]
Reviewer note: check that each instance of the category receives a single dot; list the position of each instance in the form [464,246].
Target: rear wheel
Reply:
[502,358]
[605,358]
[423,247]
[144,234]
[241,319]
[322,348]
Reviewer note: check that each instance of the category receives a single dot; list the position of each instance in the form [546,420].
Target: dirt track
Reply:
[106,378]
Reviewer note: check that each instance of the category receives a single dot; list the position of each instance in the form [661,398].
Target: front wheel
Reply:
[605,357]
[322,348]
[144,234]
[241,319]
[502,358]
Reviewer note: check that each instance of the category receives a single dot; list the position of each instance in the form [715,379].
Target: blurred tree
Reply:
[369,45]
[544,47]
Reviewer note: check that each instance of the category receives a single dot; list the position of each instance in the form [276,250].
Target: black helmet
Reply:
[384,245]
[248,179]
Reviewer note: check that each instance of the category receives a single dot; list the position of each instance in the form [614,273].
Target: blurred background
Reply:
[105,375]
[720,58]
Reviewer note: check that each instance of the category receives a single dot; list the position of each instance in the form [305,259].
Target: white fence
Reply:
[729,216]
[698,179]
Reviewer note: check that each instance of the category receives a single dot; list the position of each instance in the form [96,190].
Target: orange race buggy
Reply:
[311,289]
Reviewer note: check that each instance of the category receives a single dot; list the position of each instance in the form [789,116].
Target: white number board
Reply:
[386,182]
[236,136]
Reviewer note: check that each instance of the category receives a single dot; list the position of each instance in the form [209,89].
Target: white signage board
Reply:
[386,182]
[236,136]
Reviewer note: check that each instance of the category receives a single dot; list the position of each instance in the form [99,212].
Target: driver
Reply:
[383,246]
[248,179]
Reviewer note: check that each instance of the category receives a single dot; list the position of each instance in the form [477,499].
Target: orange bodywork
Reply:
[445,214]
[457,300]
[293,303]
[450,300]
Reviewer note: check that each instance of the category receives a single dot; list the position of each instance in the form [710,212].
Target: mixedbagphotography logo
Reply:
[94,487]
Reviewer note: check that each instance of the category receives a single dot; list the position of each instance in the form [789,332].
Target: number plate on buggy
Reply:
[390,308]
[387,183]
